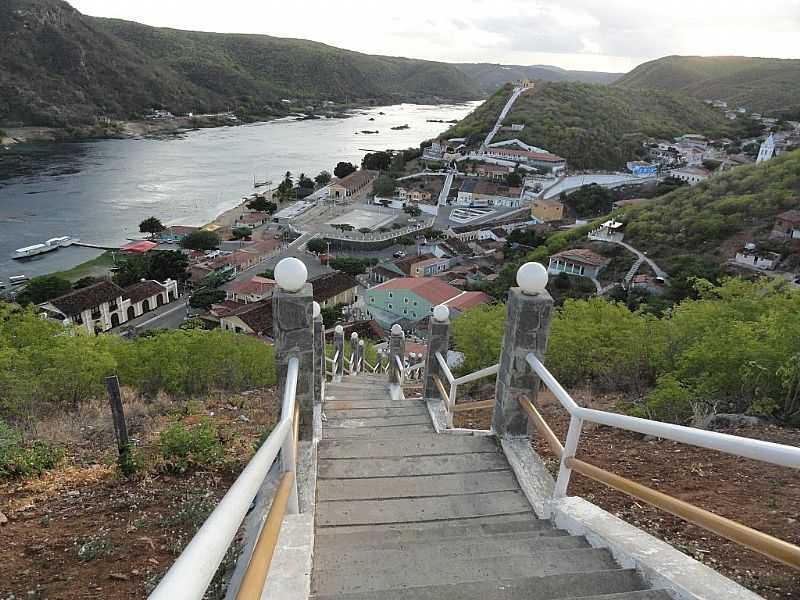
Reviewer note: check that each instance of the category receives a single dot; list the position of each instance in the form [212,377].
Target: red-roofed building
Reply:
[253,290]
[580,261]
[412,299]
[236,261]
[139,247]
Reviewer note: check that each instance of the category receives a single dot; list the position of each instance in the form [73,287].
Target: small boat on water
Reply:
[17,279]
[47,246]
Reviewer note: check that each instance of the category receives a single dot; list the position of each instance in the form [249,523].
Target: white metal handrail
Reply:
[400,370]
[455,382]
[777,454]
[192,572]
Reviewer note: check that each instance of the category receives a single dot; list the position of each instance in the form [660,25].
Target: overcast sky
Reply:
[599,35]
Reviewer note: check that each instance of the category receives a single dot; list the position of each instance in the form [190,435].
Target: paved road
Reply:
[169,316]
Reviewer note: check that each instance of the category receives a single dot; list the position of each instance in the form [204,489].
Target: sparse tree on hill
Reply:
[241,233]
[44,288]
[384,186]
[151,225]
[317,245]
[263,205]
[376,161]
[201,240]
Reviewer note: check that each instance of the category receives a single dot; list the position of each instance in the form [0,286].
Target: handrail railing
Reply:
[335,362]
[777,454]
[192,572]
[449,398]
[400,370]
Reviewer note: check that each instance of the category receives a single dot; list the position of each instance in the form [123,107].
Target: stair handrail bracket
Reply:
[192,572]
[769,452]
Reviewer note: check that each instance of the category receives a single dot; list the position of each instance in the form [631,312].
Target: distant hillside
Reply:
[763,84]
[738,206]
[60,67]
[490,77]
[594,126]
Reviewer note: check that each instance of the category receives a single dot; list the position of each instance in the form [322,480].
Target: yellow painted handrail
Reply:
[542,427]
[464,406]
[260,560]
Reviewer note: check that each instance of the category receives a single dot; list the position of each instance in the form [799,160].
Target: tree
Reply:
[412,210]
[376,161]
[305,182]
[332,314]
[317,245]
[241,233]
[343,169]
[84,282]
[152,226]
[323,179]
[200,240]
[205,297]
[590,200]
[384,186]
[159,265]
[44,288]
[349,264]
[514,179]
[261,204]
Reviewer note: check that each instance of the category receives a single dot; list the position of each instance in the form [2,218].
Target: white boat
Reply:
[17,279]
[48,246]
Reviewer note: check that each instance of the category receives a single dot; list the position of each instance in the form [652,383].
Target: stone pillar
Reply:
[338,346]
[292,315]
[319,355]
[397,348]
[354,350]
[527,326]
[438,341]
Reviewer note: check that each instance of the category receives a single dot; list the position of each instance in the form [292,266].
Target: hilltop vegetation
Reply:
[762,84]
[594,126]
[59,67]
[490,77]
[697,220]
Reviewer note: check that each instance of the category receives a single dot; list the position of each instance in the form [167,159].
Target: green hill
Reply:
[594,126]
[60,67]
[492,76]
[762,84]
[714,218]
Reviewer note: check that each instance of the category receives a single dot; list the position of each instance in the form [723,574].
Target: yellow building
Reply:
[547,210]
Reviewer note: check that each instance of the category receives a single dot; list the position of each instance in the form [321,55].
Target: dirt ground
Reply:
[761,496]
[83,531]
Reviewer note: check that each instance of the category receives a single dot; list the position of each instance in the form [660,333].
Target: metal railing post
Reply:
[338,346]
[527,326]
[353,352]
[360,365]
[570,447]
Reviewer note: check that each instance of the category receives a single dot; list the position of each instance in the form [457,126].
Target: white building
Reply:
[691,175]
[610,231]
[753,257]
[767,149]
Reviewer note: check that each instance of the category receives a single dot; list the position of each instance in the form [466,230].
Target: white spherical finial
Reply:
[532,278]
[291,274]
[361,342]
[396,329]
[339,330]
[441,313]
[317,309]
[354,336]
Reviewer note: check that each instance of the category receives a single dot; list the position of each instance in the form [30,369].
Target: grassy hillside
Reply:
[59,67]
[492,76]
[699,220]
[763,84]
[594,126]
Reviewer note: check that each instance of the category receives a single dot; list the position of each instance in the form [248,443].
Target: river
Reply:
[101,190]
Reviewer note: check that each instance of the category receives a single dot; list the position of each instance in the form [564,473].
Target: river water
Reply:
[101,190]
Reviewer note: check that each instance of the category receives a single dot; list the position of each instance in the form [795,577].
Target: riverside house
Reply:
[104,305]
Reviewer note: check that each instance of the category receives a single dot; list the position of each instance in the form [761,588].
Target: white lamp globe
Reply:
[317,310]
[354,336]
[361,343]
[441,313]
[291,274]
[396,329]
[532,278]
[338,329]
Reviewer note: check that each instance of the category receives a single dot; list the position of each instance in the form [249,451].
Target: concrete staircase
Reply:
[403,512]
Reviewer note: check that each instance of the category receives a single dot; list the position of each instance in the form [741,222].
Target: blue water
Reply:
[101,190]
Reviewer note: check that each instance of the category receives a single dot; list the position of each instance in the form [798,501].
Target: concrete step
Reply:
[342,402]
[371,413]
[411,445]
[551,587]
[333,556]
[415,486]
[411,510]
[410,466]
[521,524]
[335,433]
[637,595]
[411,573]
[335,422]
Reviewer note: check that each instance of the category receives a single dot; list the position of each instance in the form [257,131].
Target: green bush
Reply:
[199,446]
[19,460]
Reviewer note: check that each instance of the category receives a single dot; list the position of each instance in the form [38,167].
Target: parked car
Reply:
[399,254]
